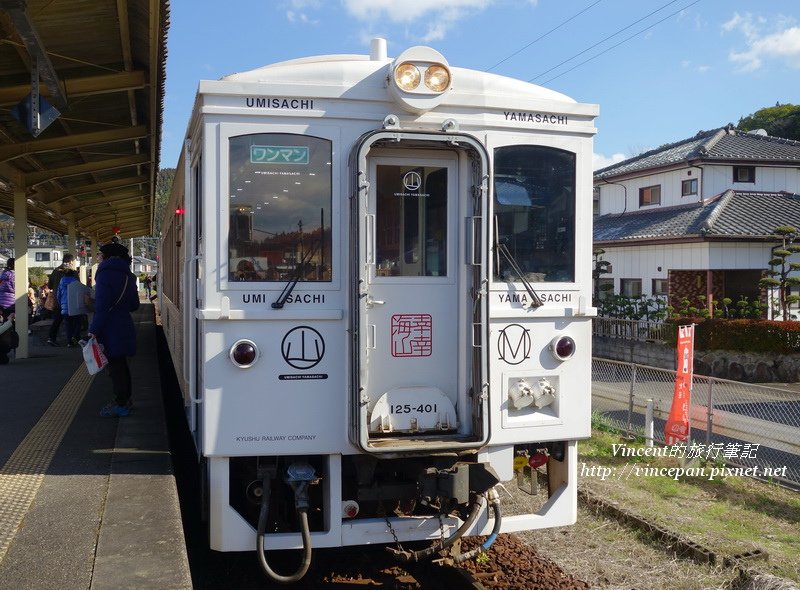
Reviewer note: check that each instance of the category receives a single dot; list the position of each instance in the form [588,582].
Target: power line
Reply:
[621,42]
[611,36]
[540,37]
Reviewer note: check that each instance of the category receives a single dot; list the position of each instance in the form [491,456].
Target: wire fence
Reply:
[742,424]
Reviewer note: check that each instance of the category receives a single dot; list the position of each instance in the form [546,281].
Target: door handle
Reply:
[370,302]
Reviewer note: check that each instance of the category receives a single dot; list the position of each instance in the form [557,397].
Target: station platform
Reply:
[86,502]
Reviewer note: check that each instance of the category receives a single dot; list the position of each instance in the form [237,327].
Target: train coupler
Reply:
[457,482]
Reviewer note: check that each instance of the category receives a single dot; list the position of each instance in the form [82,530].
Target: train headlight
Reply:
[437,78]
[244,353]
[562,347]
[419,79]
[407,76]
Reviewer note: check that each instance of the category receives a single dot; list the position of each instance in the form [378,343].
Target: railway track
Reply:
[511,564]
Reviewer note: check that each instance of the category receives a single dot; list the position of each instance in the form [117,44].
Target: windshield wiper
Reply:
[294,278]
[535,300]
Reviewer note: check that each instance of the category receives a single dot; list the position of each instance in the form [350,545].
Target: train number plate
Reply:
[413,409]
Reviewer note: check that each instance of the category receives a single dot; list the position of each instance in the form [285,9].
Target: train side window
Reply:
[534,206]
[280,200]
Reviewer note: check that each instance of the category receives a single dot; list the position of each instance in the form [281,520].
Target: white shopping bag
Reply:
[93,356]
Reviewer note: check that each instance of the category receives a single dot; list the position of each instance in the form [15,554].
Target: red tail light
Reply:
[244,353]
[537,460]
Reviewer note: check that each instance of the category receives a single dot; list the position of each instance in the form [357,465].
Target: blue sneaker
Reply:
[113,410]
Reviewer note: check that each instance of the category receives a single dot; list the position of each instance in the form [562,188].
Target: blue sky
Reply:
[661,70]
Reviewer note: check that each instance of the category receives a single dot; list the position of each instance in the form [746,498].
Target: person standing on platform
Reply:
[8,335]
[73,319]
[115,298]
[33,305]
[52,283]
[43,292]
[7,298]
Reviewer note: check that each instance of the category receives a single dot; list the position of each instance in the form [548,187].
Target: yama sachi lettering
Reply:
[524,117]
[543,297]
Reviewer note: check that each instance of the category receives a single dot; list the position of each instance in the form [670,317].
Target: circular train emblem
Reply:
[303,347]
[514,344]
[412,181]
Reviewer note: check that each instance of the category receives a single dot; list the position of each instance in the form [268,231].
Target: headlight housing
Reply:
[419,78]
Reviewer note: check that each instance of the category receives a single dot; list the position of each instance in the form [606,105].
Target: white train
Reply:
[375,283]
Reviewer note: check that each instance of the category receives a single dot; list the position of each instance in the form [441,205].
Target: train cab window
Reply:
[411,221]
[534,206]
[280,208]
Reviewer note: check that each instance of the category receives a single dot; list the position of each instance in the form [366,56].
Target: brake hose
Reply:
[301,502]
[494,502]
[441,544]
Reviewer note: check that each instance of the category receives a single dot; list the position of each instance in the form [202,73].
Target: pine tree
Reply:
[780,268]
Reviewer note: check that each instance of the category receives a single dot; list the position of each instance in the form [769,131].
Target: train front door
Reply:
[412,306]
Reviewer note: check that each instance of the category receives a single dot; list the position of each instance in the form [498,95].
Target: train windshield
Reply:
[534,206]
[280,208]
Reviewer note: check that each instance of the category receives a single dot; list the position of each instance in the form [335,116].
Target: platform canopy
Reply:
[87,152]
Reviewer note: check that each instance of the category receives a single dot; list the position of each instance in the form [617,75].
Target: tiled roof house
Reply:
[697,217]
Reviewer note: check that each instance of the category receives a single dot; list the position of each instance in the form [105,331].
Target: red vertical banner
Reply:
[677,427]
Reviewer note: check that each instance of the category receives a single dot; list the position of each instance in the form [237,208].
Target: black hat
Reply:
[114,249]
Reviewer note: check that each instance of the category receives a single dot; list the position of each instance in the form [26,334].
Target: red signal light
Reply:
[244,353]
[563,347]
[350,509]
[537,460]
[179,210]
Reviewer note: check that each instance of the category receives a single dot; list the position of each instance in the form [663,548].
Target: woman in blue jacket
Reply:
[115,298]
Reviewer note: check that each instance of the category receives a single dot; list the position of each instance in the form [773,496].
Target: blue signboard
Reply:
[24,113]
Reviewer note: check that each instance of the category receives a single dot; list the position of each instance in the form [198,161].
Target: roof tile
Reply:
[734,214]
[723,144]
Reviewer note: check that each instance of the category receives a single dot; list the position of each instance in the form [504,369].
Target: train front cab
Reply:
[438,330]
[447,353]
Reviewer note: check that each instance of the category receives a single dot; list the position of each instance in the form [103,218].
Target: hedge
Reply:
[767,336]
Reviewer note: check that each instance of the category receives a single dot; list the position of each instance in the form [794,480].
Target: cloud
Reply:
[440,15]
[782,43]
[409,10]
[601,161]
[297,11]
[300,17]
[699,68]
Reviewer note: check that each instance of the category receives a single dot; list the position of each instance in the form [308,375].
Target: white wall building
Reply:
[44,256]
[697,217]
[143,265]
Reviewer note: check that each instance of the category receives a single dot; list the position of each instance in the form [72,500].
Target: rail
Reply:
[632,329]
[743,424]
